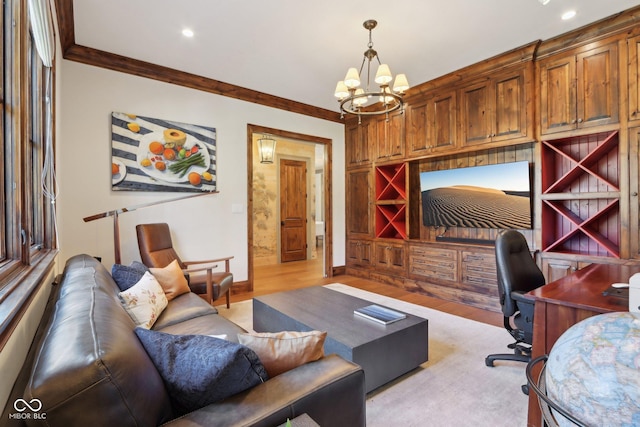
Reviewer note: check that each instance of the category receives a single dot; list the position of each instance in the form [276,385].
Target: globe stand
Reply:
[546,404]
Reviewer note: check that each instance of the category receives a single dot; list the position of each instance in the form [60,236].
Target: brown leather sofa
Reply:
[90,369]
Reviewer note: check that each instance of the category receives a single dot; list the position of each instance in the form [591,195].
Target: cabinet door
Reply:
[390,256]
[557,94]
[554,269]
[417,129]
[634,189]
[359,252]
[597,86]
[357,144]
[633,45]
[476,114]
[432,125]
[390,136]
[510,107]
[442,120]
[359,196]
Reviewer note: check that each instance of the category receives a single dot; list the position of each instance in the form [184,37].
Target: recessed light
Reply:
[187,32]
[544,2]
[568,15]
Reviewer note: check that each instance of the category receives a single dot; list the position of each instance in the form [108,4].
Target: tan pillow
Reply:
[282,351]
[172,280]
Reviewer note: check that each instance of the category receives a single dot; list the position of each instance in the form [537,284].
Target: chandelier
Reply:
[354,99]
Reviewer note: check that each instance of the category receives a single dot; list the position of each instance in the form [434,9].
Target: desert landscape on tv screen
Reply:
[492,196]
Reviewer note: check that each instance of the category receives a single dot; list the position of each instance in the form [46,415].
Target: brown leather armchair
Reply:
[156,250]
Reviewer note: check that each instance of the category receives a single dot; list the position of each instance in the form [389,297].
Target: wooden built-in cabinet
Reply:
[390,136]
[358,138]
[579,89]
[432,124]
[497,108]
[570,106]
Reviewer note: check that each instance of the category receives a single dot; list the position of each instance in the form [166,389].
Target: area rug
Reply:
[454,387]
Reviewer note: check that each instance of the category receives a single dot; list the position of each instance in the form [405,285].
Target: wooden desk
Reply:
[565,302]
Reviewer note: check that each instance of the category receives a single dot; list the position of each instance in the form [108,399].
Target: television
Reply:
[491,196]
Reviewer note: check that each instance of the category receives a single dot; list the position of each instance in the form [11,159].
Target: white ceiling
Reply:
[299,49]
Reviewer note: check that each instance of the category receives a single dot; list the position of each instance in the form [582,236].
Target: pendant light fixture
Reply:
[267,149]
[384,99]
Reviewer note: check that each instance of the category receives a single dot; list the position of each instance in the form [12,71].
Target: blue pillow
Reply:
[126,276]
[199,369]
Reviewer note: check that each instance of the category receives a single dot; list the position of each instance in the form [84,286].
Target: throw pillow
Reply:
[199,369]
[126,276]
[283,351]
[144,301]
[172,280]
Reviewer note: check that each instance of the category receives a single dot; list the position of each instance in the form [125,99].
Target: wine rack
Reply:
[391,201]
[581,195]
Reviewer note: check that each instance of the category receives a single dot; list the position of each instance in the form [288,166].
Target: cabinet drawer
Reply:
[433,263]
[479,269]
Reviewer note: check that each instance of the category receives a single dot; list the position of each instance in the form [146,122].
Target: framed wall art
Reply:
[149,154]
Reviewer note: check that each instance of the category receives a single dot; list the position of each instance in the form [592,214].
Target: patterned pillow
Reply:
[199,369]
[126,276]
[144,301]
[282,351]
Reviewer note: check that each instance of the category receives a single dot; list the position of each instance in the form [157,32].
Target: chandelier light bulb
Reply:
[383,76]
[352,79]
[401,84]
[341,90]
[360,97]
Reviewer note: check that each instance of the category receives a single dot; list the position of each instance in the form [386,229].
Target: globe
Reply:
[593,371]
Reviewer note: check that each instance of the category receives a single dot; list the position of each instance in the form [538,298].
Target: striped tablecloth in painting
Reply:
[126,152]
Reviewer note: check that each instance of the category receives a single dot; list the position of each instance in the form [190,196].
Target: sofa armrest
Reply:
[330,390]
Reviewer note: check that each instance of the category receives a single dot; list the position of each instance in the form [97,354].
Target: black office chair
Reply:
[518,274]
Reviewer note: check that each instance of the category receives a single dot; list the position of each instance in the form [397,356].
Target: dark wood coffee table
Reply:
[383,351]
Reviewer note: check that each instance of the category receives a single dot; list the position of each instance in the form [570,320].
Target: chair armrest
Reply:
[209,261]
[195,270]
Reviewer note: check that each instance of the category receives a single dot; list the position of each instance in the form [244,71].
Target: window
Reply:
[27,243]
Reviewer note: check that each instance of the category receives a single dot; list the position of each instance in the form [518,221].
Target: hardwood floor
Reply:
[300,274]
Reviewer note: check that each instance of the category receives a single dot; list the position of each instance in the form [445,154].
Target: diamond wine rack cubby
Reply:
[581,195]
[391,201]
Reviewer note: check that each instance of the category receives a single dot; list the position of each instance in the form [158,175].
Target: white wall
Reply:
[202,226]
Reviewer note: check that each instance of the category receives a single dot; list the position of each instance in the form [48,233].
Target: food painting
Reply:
[150,154]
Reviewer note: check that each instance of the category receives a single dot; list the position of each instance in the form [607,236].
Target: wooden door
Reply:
[557,94]
[597,86]
[293,210]
[476,114]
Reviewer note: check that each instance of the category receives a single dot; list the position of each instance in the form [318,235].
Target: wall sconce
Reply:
[267,149]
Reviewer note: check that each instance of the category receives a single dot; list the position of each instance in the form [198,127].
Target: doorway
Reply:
[265,216]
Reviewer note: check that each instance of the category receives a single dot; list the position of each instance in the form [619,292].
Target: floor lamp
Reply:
[116,213]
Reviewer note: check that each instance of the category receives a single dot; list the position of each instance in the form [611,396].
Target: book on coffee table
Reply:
[379,314]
